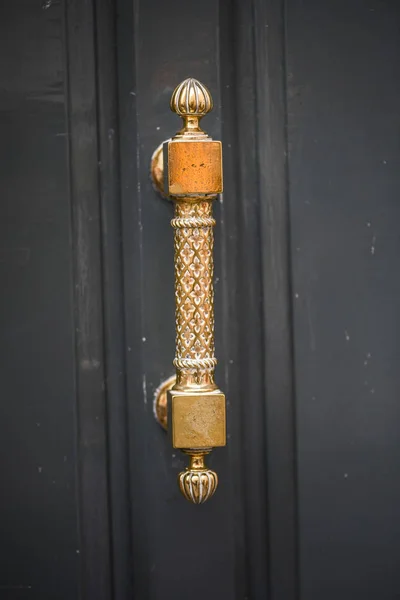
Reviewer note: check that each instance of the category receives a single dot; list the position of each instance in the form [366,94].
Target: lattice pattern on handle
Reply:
[194,293]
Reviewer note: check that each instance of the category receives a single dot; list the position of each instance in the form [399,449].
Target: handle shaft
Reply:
[194,294]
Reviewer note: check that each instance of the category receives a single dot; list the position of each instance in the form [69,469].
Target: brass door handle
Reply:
[191,167]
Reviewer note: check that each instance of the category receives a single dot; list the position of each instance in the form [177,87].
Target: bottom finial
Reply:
[197,483]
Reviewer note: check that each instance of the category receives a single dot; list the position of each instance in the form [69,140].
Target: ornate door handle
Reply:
[191,167]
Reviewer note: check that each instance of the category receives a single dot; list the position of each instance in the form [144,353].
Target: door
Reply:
[306,99]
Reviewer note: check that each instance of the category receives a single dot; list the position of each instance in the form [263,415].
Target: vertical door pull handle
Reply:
[190,172]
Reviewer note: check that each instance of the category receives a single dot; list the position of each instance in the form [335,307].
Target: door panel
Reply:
[40,545]
[344,175]
[176,548]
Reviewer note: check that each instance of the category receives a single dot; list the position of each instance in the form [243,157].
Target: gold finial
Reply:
[197,483]
[191,100]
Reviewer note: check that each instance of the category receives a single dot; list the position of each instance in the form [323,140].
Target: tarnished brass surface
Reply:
[193,177]
[157,170]
[161,401]
[193,167]
[197,419]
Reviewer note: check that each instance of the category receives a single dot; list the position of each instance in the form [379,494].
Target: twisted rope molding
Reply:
[190,222]
[195,363]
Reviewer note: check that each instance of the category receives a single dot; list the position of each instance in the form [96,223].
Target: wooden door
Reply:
[307,294]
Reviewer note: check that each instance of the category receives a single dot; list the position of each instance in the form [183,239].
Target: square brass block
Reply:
[193,168]
[197,420]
